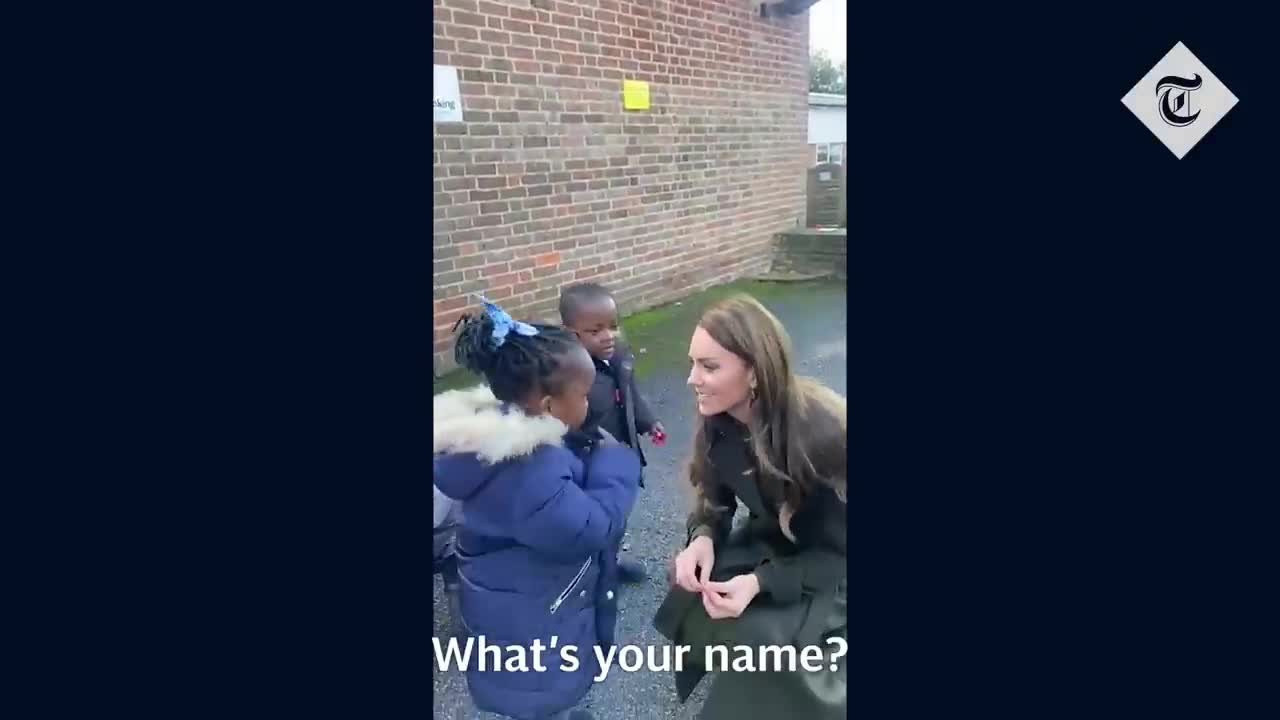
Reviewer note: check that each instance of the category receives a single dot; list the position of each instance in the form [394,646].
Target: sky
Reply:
[827,28]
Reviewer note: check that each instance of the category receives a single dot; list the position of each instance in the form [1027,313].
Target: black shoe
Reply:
[448,569]
[631,571]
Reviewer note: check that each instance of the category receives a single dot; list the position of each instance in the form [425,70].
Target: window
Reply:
[831,153]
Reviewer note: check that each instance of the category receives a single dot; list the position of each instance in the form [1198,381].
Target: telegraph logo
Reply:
[1175,99]
[1179,100]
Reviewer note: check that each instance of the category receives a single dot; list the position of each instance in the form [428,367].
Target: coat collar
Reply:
[474,421]
[725,425]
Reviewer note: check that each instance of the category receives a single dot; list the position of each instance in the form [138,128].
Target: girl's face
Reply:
[721,381]
[570,405]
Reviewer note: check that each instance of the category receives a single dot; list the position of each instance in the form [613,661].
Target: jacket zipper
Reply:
[569,590]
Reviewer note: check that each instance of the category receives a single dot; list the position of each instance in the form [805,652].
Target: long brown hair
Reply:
[798,427]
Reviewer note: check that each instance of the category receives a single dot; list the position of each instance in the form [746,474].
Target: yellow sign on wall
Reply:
[635,95]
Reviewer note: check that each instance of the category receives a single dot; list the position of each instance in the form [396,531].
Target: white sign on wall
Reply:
[446,98]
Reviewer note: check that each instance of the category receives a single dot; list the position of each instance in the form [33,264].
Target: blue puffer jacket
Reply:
[537,548]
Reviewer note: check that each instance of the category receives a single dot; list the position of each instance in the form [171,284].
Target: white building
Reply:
[827,127]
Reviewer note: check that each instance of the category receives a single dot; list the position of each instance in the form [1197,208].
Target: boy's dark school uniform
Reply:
[614,403]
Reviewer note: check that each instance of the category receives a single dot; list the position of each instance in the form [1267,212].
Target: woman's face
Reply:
[721,380]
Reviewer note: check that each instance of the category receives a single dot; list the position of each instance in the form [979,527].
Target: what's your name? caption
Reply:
[477,653]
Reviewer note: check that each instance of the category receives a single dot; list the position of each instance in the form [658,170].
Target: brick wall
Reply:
[548,181]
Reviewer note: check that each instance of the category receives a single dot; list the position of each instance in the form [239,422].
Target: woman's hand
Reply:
[693,564]
[730,598]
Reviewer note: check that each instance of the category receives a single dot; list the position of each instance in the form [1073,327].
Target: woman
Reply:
[777,443]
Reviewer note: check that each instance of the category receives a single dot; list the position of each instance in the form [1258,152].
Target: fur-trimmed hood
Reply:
[473,436]
[473,422]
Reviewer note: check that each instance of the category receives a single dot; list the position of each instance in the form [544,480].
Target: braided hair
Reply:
[517,364]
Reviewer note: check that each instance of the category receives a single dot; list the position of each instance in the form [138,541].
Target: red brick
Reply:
[450,304]
[466,18]
[500,293]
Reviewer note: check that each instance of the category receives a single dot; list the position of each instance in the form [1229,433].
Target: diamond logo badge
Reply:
[1179,100]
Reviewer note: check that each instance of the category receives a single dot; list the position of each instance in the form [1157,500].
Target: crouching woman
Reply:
[777,443]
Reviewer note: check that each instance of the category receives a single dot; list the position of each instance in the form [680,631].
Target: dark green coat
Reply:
[803,585]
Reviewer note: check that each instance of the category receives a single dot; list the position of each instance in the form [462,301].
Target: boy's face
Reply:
[596,325]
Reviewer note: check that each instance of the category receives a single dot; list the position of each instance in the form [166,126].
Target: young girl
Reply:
[544,507]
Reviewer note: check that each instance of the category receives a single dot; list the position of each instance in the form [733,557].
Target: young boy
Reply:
[614,404]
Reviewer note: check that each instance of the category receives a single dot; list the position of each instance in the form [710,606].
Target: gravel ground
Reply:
[815,315]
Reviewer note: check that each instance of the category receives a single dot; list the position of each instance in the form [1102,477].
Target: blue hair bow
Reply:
[503,324]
